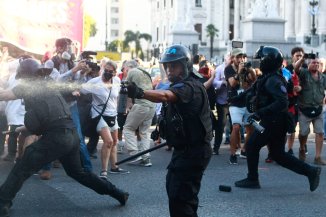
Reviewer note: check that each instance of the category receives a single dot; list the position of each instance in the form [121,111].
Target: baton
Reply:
[141,153]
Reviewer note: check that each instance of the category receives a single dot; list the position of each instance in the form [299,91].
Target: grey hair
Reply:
[131,64]
[111,63]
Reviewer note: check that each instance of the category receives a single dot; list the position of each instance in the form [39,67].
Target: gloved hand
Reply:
[253,117]
[134,91]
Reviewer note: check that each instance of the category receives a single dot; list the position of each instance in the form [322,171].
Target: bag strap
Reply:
[104,104]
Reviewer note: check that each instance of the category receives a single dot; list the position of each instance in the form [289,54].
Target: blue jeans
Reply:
[84,155]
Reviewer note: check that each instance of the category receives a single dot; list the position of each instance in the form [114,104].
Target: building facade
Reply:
[234,19]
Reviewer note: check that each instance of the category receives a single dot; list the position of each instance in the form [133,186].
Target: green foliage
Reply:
[211,33]
[115,45]
[135,37]
[89,28]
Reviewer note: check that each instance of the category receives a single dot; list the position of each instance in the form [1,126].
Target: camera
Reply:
[309,56]
[123,87]
[92,65]
[86,55]
[247,64]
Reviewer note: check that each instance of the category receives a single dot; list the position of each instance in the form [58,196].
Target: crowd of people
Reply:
[194,105]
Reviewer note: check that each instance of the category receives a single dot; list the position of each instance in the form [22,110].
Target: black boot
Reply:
[313,177]
[4,208]
[247,183]
[120,195]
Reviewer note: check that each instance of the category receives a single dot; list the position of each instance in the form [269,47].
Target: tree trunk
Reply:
[211,46]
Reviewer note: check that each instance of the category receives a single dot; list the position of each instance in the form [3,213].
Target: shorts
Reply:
[239,115]
[304,124]
[102,124]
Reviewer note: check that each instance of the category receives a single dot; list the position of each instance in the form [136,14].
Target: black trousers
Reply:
[183,181]
[220,124]
[275,137]
[62,144]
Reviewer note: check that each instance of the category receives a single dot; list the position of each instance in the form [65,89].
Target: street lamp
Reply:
[313,11]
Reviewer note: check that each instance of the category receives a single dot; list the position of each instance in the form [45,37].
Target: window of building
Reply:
[114,1]
[198,28]
[158,4]
[164,3]
[114,20]
[114,10]
[114,33]
[198,3]
[171,3]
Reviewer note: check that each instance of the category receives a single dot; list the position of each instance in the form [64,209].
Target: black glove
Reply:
[134,91]
[253,117]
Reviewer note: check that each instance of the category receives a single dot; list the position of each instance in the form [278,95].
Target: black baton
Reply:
[141,153]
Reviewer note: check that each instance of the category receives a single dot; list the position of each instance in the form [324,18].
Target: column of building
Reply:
[226,20]
[289,19]
[305,18]
[321,28]
[236,28]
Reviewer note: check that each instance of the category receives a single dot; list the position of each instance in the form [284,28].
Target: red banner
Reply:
[34,25]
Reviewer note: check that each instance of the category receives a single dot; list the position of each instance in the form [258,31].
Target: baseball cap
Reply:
[237,51]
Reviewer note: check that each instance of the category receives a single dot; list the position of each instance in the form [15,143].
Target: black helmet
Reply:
[28,68]
[178,53]
[271,58]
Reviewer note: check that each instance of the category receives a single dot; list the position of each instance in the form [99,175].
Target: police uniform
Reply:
[48,115]
[190,133]
[271,109]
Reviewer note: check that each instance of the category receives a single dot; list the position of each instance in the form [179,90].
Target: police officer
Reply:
[47,114]
[188,129]
[271,110]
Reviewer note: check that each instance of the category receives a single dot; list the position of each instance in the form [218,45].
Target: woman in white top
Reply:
[106,88]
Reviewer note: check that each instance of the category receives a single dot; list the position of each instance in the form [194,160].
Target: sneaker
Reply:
[314,178]
[233,159]
[319,161]
[238,152]
[290,151]
[269,159]
[118,170]
[146,162]
[4,208]
[9,157]
[243,154]
[302,155]
[45,175]
[103,174]
[136,161]
[247,183]
[216,153]
[227,141]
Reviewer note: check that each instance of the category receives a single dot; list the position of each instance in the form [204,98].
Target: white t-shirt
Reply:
[100,93]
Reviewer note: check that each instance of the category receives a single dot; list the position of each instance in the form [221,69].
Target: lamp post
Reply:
[313,11]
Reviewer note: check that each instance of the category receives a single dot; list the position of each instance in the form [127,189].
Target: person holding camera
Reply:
[310,103]
[269,105]
[187,127]
[239,76]
[140,115]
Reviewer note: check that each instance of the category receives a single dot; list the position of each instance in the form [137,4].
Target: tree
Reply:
[135,37]
[116,46]
[211,33]
[89,28]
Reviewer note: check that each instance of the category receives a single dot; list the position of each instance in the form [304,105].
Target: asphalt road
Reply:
[283,192]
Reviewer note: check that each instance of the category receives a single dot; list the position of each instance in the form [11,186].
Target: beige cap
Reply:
[237,51]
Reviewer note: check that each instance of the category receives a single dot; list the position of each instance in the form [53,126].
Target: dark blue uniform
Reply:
[189,131]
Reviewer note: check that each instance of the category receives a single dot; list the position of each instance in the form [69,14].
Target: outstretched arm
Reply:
[6,95]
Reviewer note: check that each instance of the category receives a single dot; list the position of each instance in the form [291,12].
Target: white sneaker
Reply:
[136,161]
[238,152]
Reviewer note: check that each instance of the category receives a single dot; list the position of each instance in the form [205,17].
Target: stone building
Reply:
[282,23]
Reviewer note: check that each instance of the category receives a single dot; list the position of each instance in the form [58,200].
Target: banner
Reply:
[34,25]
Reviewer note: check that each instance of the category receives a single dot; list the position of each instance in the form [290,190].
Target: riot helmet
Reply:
[178,53]
[271,58]
[28,69]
